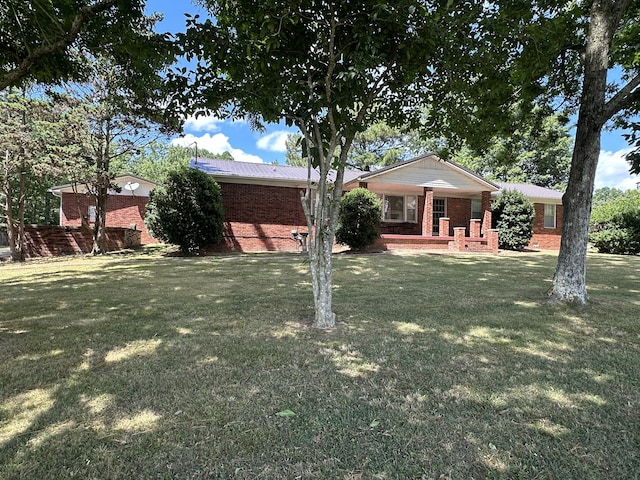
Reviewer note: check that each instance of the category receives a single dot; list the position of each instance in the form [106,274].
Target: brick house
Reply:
[124,209]
[428,203]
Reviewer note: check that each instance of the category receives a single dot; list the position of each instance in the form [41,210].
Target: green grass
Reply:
[440,367]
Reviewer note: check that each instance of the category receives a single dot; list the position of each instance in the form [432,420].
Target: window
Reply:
[439,211]
[476,208]
[549,216]
[400,208]
[412,208]
[92,213]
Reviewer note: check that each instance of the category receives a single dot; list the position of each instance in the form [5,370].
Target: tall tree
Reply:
[332,68]
[36,135]
[610,40]
[118,125]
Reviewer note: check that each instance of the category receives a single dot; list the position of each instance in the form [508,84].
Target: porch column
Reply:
[427,212]
[474,228]
[486,208]
[443,227]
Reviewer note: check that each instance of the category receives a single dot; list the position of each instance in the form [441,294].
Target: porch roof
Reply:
[431,171]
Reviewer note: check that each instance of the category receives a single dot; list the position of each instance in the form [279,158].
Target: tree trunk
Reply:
[100,224]
[15,226]
[320,262]
[322,220]
[102,193]
[569,281]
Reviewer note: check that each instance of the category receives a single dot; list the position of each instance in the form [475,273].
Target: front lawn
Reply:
[441,367]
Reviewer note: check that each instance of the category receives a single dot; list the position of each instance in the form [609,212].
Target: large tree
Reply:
[37,141]
[603,36]
[119,123]
[334,67]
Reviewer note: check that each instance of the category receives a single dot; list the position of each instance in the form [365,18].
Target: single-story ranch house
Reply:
[428,203]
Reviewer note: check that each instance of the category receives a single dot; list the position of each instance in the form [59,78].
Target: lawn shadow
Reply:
[441,367]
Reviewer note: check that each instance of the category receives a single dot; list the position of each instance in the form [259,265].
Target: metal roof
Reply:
[531,191]
[258,172]
[261,171]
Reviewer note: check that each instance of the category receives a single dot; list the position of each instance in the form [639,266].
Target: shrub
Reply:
[360,219]
[186,210]
[513,215]
[615,225]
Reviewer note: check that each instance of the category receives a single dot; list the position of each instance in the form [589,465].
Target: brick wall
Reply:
[546,238]
[260,218]
[122,211]
[51,241]
[459,213]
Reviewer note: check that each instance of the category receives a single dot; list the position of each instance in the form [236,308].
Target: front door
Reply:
[439,211]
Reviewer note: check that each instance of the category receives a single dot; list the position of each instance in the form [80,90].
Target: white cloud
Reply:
[613,171]
[218,143]
[202,123]
[274,142]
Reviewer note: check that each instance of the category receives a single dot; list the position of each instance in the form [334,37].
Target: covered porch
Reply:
[432,204]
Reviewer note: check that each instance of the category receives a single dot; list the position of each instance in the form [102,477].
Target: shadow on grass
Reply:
[441,367]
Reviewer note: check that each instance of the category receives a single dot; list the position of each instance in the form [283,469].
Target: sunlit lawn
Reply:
[441,367]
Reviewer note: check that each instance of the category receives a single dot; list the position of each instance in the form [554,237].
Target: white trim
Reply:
[477,179]
[404,197]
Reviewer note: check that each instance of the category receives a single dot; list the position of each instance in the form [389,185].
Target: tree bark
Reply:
[15,226]
[102,192]
[569,281]
[320,262]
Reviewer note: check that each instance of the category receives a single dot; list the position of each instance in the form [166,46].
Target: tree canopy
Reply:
[48,41]
[37,137]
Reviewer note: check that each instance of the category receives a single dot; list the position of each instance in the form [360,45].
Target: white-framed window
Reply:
[399,208]
[92,213]
[476,208]
[549,215]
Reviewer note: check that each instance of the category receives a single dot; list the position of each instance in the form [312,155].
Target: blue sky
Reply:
[249,146]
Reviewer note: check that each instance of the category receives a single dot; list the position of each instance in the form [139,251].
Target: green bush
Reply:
[186,210]
[615,225]
[513,215]
[360,219]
